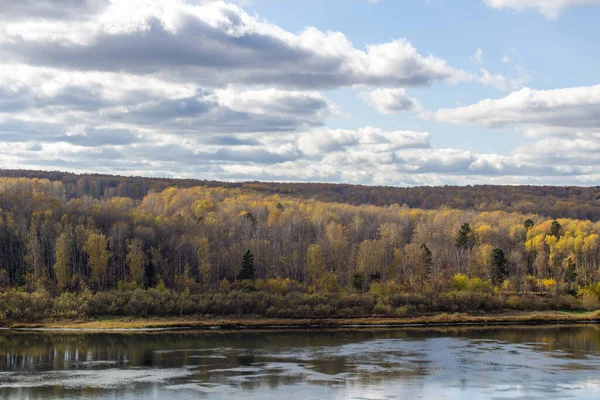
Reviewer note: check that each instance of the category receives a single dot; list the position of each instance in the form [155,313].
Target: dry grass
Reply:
[546,317]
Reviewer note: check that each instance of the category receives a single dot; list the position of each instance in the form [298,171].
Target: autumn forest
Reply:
[210,250]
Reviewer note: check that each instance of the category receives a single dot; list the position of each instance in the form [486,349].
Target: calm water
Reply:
[459,363]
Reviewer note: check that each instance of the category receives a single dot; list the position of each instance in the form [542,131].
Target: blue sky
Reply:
[454,34]
[410,92]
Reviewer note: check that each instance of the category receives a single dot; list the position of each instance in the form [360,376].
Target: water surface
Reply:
[548,362]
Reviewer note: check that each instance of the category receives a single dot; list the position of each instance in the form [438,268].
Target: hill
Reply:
[551,201]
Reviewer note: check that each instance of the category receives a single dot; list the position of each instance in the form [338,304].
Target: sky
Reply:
[374,92]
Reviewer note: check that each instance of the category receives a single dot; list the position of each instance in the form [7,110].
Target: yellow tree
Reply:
[204,265]
[98,256]
[136,260]
[315,259]
[370,259]
[63,251]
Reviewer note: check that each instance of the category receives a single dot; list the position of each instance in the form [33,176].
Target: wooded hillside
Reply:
[205,240]
[551,201]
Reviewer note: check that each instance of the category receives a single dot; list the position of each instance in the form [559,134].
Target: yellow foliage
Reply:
[462,282]
[548,284]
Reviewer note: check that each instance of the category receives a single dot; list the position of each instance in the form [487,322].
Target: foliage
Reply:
[248,271]
[499,266]
[164,251]
[555,229]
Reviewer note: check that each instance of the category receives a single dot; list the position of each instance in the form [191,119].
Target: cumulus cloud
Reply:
[549,8]
[367,139]
[563,123]
[63,99]
[204,89]
[389,101]
[565,109]
[216,44]
[50,9]
[503,83]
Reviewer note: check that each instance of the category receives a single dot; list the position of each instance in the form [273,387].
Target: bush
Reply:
[590,302]
[462,282]
[71,305]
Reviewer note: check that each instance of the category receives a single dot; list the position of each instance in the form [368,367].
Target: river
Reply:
[529,362]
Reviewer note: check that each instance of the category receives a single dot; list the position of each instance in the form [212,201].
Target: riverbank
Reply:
[508,318]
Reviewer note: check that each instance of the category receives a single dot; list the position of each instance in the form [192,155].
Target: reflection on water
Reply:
[449,363]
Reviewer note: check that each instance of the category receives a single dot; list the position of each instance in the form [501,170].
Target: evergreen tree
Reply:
[463,245]
[555,229]
[464,236]
[528,223]
[358,282]
[247,272]
[499,266]
[425,263]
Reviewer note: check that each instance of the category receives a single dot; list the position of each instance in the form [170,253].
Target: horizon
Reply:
[199,179]
[278,91]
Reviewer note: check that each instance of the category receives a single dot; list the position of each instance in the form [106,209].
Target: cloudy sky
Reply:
[377,92]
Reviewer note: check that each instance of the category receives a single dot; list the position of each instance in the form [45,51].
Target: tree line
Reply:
[211,241]
[551,201]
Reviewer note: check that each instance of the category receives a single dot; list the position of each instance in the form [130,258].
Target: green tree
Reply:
[528,224]
[463,245]
[499,265]
[358,282]
[555,229]
[464,235]
[425,261]
[248,271]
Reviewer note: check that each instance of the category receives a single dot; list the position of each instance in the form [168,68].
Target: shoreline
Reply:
[129,324]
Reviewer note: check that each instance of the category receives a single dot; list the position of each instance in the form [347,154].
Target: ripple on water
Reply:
[100,379]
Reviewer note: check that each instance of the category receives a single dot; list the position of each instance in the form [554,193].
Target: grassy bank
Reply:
[443,319]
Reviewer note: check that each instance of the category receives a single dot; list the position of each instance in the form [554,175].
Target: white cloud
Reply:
[569,108]
[371,140]
[503,83]
[275,102]
[202,88]
[563,123]
[549,8]
[216,44]
[389,101]
[477,57]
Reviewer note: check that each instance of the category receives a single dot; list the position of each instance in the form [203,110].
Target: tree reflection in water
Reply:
[320,363]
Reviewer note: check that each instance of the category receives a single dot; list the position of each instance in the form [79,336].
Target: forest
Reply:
[214,251]
[551,201]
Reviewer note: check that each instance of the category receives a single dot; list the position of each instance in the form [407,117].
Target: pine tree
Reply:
[358,282]
[463,246]
[555,229]
[464,235]
[499,266]
[247,272]
[425,263]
